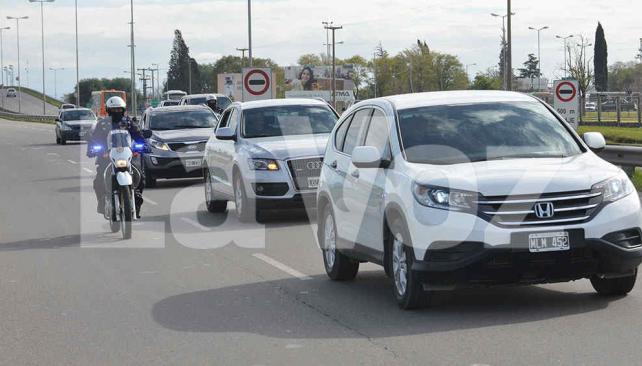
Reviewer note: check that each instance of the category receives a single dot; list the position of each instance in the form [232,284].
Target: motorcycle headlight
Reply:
[615,188]
[159,145]
[443,198]
[121,163]
[263,164]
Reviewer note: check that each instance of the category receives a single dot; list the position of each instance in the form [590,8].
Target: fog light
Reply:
[154,160]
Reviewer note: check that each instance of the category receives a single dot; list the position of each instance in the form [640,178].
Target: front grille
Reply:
[187,147]
[520,210]
[302,169]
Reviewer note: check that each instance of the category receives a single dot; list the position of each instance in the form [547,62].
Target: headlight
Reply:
[615,188]
[443,198]
[263,164]
[121,163]
[158,145]
[64,126]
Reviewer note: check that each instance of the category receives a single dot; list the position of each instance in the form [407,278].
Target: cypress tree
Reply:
[600,60]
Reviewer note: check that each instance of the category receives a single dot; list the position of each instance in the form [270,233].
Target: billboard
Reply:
[231,85]
[316,81]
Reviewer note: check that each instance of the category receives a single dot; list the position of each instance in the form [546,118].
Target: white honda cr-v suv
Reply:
[454,189]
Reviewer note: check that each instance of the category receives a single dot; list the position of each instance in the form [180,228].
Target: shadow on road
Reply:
[48,243]
[274,309]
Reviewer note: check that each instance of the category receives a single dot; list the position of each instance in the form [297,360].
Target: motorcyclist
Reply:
[212,103]
[116,119]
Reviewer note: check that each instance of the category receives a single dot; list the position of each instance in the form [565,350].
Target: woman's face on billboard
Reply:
[305,76]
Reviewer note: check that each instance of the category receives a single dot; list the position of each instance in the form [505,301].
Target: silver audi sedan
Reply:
[267,155]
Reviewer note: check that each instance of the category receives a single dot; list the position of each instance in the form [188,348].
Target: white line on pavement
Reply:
[195,223]
[88,170]
[73,162]
[53,154]
[150,201]
[276,264]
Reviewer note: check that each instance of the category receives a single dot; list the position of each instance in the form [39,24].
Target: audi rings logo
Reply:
[314,165]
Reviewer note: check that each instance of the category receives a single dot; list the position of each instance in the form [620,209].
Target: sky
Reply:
[285,29]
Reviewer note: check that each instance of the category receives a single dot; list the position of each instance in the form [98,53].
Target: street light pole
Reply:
[327,41]
[509,47]
[564,39]
[55,70]
[2,61]
[249,30]
[467,66]
[18,19]
[504,43]
[134,107]
[333,28]
[539,56]
[42,29]
[77,67]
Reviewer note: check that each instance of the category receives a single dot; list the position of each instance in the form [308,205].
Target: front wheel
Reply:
[338,266]
[126,212]
[244,211]
[213,205]
[614,286]
[408,289]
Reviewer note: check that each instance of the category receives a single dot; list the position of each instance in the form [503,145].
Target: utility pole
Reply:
[333,28]
[77,67]
[189,75]
[249,30]
[504,43]
[134,107]
[243,50]
[639,56]
[509,47]
[2,82]
[374,71]
[151,71]
[144,80]
[327,40]
[18,19]
[55,70]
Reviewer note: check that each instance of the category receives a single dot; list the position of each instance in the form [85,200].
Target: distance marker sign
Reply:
[257,84]
[567,100]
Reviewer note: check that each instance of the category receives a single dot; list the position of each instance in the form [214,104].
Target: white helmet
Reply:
[115,102]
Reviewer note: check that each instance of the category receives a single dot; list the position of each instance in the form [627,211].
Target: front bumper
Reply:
[73,135]
[175,166]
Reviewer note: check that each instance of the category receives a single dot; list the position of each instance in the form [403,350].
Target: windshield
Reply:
[288,120]
[120,138]
[182,120]
[78,115]
[223,102]
[451,134]
[197,101]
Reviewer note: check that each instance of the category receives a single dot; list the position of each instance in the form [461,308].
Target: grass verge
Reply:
[616,135]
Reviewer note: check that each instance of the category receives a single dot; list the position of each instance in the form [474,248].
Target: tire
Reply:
[126,214]
[114,226]
[150,181]
[614,286]
[338,266]
[213,206]
[63,141]
[244,211]
[407,287]
[57,138]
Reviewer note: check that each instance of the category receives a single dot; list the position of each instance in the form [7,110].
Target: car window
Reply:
[378,134]
[340,136]
[355,133]
[233,121]
[223,102]
[225,119]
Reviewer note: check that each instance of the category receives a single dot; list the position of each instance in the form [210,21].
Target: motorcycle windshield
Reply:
[119,138]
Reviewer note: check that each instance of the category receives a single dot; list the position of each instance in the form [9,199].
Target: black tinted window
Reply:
[197,101]
[355,131]
[474,132]
[288,120]
[182,120]
[340,136]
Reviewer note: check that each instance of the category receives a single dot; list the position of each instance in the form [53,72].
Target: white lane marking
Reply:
[73,162]
[195,223]
[276,264]
[88,170]
[150,201]
[53,154]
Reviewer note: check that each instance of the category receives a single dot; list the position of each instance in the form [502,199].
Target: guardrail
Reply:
[27,117]
[627,156]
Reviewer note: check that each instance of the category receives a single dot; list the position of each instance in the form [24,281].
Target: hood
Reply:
[192,134]
[81,123]
[519,176]
[286,147]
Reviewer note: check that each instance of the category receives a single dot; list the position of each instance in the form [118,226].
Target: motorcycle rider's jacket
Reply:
[100,132]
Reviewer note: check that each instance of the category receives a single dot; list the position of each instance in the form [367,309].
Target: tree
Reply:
[310,59]
[360,77]
[625,77]
[579,67]
[600,60]
[489,80]
[531,68]
[179,66]
[449,72]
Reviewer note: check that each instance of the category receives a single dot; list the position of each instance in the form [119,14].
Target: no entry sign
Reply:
[567,100]
[257,84]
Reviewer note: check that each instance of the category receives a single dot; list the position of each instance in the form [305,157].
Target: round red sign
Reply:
[566,91]
[258,85]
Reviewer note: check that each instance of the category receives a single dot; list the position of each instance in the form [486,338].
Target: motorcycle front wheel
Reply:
[126,212]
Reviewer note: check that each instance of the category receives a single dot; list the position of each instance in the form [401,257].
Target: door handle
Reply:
[355,173]
[333,164]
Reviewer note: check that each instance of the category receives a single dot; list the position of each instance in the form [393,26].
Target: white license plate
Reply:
[82,133]
[313,182]
[192,163]
[548,242]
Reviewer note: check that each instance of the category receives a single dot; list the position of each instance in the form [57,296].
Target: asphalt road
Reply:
[28,104]
[72,293]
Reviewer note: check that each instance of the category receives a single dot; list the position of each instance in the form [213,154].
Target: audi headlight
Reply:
[443,198]
[263,164]
[615,188]
[158,145]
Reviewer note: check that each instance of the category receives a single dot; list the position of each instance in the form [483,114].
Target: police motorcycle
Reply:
[120,178]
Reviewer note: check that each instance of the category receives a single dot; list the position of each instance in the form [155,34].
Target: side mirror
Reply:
[595,141]
[225,133]
[147,133]
[367,157]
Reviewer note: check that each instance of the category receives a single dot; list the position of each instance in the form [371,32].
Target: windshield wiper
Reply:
[527,156]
